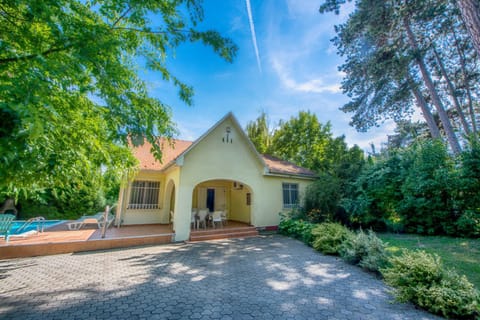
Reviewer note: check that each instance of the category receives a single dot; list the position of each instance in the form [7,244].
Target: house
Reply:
[221,170]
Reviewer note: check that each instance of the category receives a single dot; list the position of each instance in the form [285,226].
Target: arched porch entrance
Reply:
[169,204]
[232,197]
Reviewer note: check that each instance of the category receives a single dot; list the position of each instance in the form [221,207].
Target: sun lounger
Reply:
[97,219]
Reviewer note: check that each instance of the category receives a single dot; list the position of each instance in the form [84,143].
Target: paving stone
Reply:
[267,277]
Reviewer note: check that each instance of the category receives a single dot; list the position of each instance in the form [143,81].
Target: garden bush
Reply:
[298,229]
[410,271]
[468,225]
[453,297]
[366,250]
[322,198]
[419,277]
[328,237]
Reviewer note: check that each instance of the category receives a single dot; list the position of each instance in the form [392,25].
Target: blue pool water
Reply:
[33,226]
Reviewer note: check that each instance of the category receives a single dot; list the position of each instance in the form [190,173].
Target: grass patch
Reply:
[461,254]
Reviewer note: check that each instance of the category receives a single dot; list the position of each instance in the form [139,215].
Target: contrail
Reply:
[254,37]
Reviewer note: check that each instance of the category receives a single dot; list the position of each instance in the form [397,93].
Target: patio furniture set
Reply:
[204,217]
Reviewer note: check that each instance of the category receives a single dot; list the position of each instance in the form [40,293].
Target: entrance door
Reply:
[211,199]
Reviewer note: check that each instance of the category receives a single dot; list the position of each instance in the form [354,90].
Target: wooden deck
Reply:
[59,239]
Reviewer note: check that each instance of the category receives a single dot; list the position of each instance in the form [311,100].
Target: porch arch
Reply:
[169,201]
[232,196]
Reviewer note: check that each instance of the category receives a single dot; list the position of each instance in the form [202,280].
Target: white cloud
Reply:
[236,24]
[315,85]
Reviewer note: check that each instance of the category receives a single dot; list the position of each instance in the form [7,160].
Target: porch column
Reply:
[183,208]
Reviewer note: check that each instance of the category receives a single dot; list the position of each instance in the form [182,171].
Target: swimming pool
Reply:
[17,227]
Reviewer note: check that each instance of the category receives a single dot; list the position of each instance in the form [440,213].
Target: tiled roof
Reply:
[169,153]
[279,166]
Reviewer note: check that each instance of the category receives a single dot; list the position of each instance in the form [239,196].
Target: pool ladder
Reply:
[27,223]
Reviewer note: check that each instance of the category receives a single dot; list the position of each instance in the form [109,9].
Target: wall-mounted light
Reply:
[227,138]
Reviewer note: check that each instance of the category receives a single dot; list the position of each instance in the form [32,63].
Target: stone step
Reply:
[225,233]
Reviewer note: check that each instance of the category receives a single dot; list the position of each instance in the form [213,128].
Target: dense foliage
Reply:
[306,142]
[71,96]
[419,189]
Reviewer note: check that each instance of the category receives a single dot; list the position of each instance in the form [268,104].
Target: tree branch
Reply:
[34,55]
[121,17]
[144,31]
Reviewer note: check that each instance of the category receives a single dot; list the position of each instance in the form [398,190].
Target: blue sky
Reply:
[296,69]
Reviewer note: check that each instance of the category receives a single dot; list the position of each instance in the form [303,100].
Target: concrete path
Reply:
[266,277]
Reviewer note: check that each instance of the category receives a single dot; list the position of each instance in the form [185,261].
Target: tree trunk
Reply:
[451,89]
[470,10]
[437,102]
[427,114]
[465,82]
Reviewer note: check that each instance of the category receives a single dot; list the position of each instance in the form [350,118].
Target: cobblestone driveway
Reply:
[268,277]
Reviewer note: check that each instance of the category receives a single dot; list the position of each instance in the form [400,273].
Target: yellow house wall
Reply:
[270,199]
[213,159]
[143,216]
[239,210]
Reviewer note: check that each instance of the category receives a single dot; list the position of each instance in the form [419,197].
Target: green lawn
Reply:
[458,253]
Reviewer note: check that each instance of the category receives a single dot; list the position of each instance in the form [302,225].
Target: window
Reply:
[290,195]
[144,195]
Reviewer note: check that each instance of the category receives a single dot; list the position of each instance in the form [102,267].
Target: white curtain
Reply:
[202,198]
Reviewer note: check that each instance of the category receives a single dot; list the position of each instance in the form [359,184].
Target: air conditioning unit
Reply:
[237,185]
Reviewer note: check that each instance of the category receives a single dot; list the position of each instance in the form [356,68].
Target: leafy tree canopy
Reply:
[260,133]
[307,142]
[71,99]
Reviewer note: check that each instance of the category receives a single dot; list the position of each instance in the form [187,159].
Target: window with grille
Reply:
[144,195]
[290,195]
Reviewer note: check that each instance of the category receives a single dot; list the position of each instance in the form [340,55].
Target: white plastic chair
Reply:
[224,215]
[193,220]
[217,218]
[202,218]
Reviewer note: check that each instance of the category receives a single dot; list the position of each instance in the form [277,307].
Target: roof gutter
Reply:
[286,175]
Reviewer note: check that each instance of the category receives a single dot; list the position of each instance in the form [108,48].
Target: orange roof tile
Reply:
[169,153]
[172,151]
[279,166]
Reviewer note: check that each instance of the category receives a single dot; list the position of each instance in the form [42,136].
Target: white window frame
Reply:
[144,195]
[288,190]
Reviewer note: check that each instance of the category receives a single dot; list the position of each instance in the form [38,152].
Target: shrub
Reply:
[322,198]
[453,297]
[366,250]
[411,271]
[287,227]
[298,229]
[328,237]
[419,277]
[468,225]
